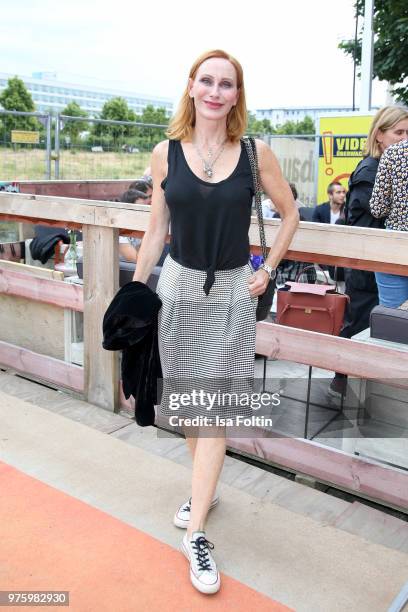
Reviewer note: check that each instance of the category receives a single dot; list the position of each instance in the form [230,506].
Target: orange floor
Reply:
[52,541]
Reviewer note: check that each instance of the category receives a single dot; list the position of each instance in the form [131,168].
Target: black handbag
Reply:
[265,300]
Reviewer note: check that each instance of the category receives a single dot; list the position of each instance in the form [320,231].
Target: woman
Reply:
[389,200]
[389,126]
[202,183]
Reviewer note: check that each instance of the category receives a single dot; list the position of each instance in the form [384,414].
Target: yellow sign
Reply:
[341,146]
[24,136]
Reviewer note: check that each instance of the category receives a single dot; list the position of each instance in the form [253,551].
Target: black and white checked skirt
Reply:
[206,341]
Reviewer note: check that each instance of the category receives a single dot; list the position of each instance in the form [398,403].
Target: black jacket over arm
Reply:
[130,324]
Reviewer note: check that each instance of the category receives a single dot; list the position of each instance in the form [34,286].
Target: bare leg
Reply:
[207,465]
[192,443]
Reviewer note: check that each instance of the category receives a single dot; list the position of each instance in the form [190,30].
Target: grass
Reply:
[8,231]
[30,164]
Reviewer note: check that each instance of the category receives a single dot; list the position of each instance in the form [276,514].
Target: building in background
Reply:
[279,116]
[49,93]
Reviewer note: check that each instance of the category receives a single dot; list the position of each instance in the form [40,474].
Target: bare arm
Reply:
[280,193]
[155,235]
[128,252]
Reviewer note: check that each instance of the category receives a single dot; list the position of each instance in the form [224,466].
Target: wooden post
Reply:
[101,282]
[25,231]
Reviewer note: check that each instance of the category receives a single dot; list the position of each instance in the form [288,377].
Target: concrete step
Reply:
[62,403]
[374,525]
[254,480]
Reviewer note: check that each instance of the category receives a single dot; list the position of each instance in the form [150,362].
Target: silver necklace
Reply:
[208,165]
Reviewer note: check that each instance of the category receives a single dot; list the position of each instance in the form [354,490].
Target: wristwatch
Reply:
[271,271]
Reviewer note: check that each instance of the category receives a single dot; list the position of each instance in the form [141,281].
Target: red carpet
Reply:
[51,541]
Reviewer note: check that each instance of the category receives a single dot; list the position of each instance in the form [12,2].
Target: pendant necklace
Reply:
[208,165]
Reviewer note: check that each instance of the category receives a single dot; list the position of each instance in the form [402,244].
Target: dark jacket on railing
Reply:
[43,245]
[130,324]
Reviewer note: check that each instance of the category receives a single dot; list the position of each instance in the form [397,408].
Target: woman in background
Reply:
[389,200]
[389,126]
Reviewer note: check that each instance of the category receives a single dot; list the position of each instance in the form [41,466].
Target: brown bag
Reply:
[317,308]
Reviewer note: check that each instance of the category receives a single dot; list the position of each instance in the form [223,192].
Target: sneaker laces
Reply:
[187,506]
[200,546]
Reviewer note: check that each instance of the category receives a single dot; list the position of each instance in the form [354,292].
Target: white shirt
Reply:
[267,211]
[334,216]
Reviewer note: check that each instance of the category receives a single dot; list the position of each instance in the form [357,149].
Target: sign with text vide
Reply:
[342,141]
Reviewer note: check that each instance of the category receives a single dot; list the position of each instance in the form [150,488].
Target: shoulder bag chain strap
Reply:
[253,160]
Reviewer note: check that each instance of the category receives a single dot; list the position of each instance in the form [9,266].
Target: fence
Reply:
[66,149]
[121,150]
[112,149]
[25,160]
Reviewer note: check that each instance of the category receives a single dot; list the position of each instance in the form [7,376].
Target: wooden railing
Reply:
[101,223]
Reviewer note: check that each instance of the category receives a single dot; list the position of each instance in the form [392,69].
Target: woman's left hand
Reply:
[258,283]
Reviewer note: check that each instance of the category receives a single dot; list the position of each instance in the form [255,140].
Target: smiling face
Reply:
[393,135]
[214,88]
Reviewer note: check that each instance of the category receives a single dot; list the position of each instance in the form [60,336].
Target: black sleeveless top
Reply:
[209,221]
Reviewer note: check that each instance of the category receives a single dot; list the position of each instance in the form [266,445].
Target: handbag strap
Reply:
[253,161]
[324,273]
[303,270]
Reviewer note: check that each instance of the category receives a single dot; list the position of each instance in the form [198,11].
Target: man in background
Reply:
[331,211]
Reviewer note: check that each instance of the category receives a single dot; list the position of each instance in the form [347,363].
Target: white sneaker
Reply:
[182,516]
[203,569]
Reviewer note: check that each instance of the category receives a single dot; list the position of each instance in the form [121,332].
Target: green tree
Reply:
[16,97]
[306,126]
[115,109]
[73,128]
[390,25]
[148,137]
[157,116]
[259,126]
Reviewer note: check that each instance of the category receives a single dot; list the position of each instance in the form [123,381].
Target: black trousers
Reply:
[363,293]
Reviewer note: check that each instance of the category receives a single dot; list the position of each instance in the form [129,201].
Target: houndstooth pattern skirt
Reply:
[206,341]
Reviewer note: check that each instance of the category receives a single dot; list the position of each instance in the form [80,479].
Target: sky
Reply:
[288,48]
